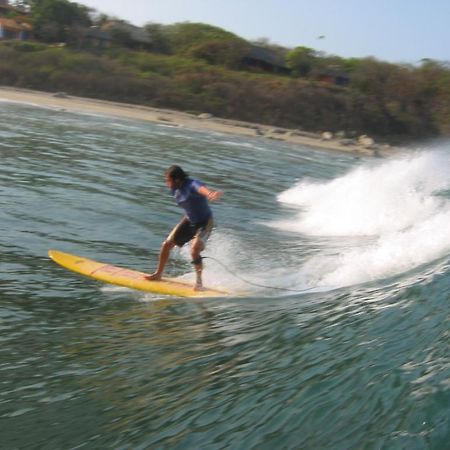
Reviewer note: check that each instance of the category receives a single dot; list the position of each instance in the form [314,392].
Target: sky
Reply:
[399,31]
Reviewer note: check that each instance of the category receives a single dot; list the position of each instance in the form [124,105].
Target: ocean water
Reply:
[335,334]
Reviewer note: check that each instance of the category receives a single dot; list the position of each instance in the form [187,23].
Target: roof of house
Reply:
[332,70]
[136,33]
[13,25]
[96,33]
[266,55]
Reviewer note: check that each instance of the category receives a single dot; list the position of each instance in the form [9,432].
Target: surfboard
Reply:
[128,278]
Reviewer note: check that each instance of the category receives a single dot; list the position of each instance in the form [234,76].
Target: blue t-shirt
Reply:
[195,205]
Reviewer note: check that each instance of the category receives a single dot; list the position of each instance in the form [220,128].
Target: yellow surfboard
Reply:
[127,277]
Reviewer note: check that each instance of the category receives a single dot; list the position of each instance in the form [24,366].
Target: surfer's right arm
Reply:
[211,195]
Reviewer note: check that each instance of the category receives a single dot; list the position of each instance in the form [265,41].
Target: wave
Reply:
[378,220]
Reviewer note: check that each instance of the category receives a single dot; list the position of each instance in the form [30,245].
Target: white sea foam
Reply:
[396,204]
[222,261]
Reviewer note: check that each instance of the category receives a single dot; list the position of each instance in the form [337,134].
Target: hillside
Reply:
[198,68]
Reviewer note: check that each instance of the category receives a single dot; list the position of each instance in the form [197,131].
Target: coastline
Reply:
[65,102]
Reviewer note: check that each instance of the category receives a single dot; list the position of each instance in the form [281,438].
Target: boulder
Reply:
[326,136]
[366,141]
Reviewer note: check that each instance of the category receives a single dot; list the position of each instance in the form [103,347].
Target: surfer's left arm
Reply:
[211,195]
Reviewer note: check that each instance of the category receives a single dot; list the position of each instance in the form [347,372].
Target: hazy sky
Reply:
[390,30]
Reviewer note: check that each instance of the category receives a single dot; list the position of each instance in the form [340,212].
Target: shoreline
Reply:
[205,122]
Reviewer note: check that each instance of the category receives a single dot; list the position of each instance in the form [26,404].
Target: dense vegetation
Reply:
[198,68]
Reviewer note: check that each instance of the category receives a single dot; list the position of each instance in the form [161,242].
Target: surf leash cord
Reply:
[278,288]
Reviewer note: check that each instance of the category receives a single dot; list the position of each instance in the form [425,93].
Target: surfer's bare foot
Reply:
[198,287]
[153,277]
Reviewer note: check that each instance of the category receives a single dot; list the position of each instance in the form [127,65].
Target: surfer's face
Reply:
[171,183]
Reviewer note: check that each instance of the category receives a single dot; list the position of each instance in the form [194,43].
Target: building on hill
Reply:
[94,37]
[333,75]
[265,59]
[10,29]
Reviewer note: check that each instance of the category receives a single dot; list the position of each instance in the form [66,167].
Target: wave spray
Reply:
[376,221]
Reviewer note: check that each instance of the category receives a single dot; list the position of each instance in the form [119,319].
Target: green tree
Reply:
[183,37]
[301,61]
[222,52]
[160,42]
[433,79]
[53,20]
[121,37]
[98,18]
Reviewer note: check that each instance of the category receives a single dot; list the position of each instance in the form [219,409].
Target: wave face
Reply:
[336,332]
[382,219]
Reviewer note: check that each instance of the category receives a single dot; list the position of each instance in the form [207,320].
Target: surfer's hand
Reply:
[214,195]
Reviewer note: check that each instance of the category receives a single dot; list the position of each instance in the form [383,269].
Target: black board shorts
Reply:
[185,231]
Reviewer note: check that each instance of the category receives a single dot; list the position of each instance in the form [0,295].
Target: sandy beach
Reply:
[63,102]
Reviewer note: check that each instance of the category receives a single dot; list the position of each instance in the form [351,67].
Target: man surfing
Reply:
[196,225]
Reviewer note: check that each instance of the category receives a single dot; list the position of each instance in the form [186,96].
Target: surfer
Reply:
[196,225]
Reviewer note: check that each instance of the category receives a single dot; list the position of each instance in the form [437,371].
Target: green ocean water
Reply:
[350,351]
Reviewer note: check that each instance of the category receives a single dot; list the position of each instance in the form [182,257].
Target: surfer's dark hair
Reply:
[176,173]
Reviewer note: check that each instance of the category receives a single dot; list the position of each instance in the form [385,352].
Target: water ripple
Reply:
[87,365]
